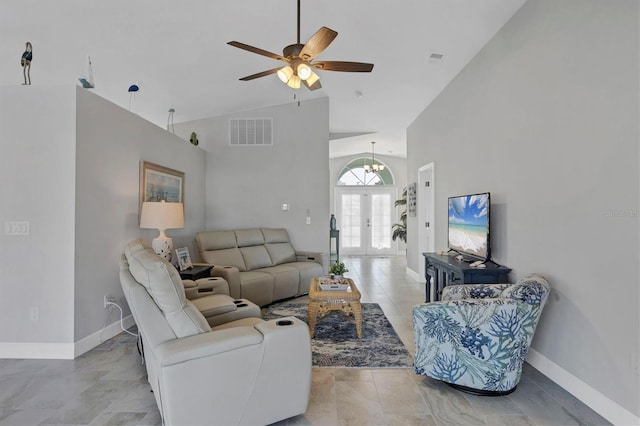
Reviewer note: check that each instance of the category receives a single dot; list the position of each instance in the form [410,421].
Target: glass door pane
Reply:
[365,217]
[351,221]
[380,217]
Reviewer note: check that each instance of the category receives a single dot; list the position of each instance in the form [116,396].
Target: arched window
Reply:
[354,174]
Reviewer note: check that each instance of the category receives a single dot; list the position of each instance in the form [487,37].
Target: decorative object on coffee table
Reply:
[337,270]
[345,302]
[333,284]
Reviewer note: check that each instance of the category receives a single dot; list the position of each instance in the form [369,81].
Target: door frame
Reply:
[368,190]
[426,212]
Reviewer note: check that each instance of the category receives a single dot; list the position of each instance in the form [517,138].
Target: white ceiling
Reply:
[176,52]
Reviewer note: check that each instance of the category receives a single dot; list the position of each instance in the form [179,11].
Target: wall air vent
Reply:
[250,131]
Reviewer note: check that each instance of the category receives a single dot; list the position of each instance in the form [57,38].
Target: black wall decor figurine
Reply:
[25,61]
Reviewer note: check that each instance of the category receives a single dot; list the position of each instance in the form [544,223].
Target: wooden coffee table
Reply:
[346,302]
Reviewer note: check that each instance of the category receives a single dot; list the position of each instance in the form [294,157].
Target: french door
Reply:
[365,217]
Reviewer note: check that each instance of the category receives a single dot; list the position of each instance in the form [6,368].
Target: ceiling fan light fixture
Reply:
[285,74]
[294,82]
[312,79]
[304,71]
[300,59]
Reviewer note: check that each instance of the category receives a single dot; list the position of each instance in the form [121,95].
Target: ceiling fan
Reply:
[299,59]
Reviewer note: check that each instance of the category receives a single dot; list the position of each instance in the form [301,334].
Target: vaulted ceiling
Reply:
[176,52]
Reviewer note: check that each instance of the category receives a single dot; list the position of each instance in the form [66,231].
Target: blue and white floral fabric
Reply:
[478,335]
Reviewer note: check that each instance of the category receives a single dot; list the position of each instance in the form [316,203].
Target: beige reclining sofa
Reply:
[246,371]
[260,264]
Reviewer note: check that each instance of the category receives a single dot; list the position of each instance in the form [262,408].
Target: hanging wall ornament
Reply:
[194,139]
[170,126]
[25,61]
[132,90]
[87,82]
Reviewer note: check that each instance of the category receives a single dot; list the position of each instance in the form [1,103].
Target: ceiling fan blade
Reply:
[257,50]
[260,74]
[317,43]
[343,66]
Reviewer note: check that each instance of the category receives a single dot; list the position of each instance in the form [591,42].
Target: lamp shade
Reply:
[162,215]
[304,71]
[294,82]
[285,73]
[313,78]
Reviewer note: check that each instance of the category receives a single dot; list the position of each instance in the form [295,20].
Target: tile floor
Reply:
[107,385]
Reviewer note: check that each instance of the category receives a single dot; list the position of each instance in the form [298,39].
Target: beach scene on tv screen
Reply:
[468,224]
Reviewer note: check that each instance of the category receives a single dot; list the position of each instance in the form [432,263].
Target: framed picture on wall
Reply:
[158,183]
[411,199]
[184,260]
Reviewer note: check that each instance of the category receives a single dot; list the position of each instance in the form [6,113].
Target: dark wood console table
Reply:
[447,270]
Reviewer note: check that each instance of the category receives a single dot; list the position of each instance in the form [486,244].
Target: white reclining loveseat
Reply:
[246,371]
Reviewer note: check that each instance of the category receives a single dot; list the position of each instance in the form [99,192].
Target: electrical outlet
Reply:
[34,313]
[107,299]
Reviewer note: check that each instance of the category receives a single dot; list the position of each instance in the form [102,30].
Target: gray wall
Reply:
[74,175]
[246,185]
[546,118]
[37,170]
[107,186]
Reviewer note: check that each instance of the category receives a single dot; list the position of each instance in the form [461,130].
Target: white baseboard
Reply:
[413,274]
[93,340]
[29,350]
[598,402]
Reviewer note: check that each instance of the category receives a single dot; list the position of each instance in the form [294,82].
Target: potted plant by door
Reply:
[400,229]
[337,270]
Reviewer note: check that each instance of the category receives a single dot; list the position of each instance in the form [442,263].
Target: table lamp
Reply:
[162,216]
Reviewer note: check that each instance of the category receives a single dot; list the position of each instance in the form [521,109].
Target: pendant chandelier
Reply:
[373,167]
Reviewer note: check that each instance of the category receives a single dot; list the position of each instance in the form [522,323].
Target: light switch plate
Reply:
[16,228]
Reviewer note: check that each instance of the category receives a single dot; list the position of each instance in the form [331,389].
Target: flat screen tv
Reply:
[469,225]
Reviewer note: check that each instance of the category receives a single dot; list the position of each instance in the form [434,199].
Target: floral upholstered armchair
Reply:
[477,337]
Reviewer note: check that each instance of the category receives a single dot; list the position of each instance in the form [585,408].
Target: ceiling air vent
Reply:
[250,131]
[435,57]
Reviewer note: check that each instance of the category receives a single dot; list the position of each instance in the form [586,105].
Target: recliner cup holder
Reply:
[237,302]
[241,305]
[284,322]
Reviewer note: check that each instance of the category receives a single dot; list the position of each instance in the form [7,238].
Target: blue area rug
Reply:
[336,343]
